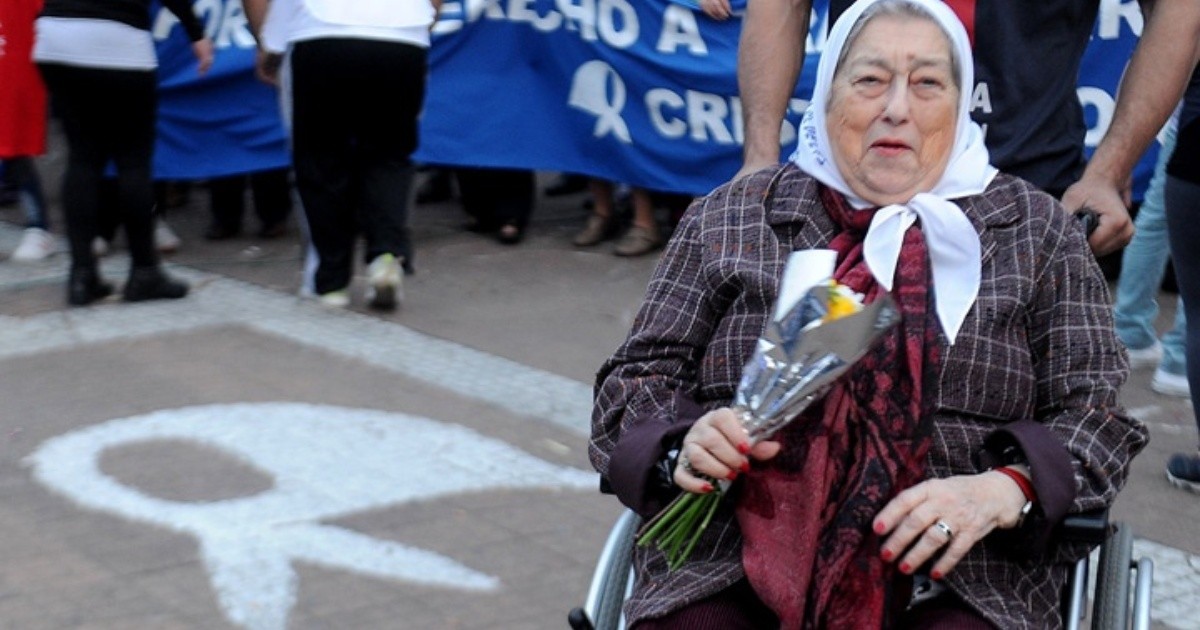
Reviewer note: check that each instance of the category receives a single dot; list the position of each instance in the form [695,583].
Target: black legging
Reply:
[1183,233]
[108,116]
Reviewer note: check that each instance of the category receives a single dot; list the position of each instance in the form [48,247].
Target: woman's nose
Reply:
[895,109]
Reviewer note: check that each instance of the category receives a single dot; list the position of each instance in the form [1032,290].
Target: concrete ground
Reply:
[244,458]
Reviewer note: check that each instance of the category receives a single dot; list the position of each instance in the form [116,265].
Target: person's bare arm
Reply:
[1154,82]
[256,14]
[770,56]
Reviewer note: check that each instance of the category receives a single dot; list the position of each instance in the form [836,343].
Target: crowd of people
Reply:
[891,165]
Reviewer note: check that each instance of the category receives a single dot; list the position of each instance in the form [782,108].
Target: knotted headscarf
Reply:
[954,250]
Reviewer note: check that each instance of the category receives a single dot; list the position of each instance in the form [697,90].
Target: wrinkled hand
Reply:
[716,9]
[266,67]
[718,447]
[1111,203]
[971,505]
[203,51]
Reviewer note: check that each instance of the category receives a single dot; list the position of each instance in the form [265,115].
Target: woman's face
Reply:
[893,109]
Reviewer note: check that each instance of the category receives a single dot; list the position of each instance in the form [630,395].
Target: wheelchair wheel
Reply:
[1111,608]
[611,598]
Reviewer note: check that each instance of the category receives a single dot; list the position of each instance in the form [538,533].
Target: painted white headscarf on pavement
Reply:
[954,251]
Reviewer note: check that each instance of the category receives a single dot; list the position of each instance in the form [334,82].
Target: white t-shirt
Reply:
[290,21]
[93,43]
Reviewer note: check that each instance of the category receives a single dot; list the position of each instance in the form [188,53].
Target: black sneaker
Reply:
[1183,471]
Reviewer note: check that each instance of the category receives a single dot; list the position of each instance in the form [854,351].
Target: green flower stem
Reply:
[677,529]
[713,500]
[664,518]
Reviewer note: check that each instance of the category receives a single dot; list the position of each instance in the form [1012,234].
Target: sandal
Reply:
[597,229]
[637,241]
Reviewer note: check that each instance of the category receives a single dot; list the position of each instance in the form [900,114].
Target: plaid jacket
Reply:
[1038,345]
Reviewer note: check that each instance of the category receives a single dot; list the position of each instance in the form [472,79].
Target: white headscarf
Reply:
[954,251]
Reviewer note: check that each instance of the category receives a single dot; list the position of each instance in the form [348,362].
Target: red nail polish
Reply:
[708,487]
[880,527]
[887,555]
[905,568]
[935,574]
[732,475]
[743,448]
[745,467]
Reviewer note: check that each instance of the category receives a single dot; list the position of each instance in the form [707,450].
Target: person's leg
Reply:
[477,200]
[37,243]
[323,160]
[517,194]
[1183,231]
[227,204]
[389,87]
[1174,343]
[1143,265]
[642,237]
[602,223]
[386,135]
[24,175]
[70,90]
[131,136]
[308,271]
[499,199]
[272,192]
[735,608]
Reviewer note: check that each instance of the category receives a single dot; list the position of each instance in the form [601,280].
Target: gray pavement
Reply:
[244,458]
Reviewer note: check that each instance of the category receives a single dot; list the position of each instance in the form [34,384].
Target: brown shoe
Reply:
[637,241]
[597,229]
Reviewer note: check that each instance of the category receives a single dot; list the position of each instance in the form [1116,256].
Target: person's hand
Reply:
[266,67]
[968,506]
[717,447]
[716,9]
[1111,204]
[203,50]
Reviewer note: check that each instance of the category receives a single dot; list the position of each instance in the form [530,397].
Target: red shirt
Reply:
[22,95]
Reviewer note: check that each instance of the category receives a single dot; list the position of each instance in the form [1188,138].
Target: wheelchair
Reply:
[1114,606]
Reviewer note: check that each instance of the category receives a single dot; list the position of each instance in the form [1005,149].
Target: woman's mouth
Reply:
[889,147]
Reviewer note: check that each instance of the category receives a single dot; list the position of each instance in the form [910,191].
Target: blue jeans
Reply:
[1183,200]
[1143,265]
[21,172]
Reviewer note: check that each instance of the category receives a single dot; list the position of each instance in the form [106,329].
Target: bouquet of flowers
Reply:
[819,330]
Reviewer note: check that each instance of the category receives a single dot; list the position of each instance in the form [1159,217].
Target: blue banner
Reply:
[641,92]
[223,123]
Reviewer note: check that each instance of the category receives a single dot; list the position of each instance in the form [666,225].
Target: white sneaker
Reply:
[99,247]
[1170,384]
[385,282]
[335,299]
[165,239]
[1145,357]
[36,244]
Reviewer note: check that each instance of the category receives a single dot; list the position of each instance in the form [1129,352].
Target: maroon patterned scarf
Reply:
[809,550]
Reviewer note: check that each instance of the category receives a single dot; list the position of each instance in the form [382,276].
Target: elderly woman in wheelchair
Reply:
[924,489]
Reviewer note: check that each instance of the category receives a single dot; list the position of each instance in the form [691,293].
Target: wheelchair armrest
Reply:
[1086,527]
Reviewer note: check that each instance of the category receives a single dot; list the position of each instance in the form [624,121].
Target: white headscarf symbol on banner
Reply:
[954,250]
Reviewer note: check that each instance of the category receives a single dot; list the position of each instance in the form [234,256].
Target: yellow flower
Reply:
[842,302]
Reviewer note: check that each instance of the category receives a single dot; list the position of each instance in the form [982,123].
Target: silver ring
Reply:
[687,465]
[944,528]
